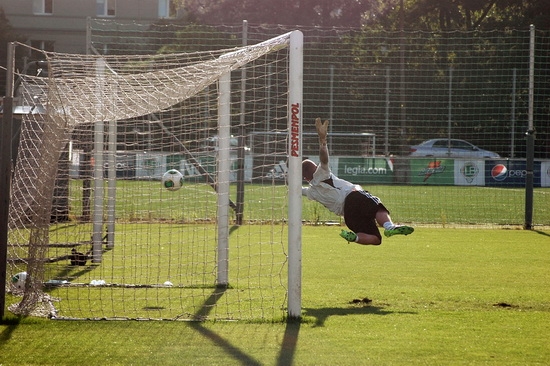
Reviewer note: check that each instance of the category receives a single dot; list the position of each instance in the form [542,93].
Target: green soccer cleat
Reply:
[399,230]
[348,235]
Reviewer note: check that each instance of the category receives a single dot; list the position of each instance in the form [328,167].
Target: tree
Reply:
[467,15]
[428,15]
[325,13]
[7,34]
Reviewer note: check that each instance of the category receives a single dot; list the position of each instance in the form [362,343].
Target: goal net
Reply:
[93,227]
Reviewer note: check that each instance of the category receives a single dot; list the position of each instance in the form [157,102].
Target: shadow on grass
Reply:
[541,232]
[290,340]
[233,228]
[73,272]
[70,270]
[288,346]
[230,349]
[322,314]
[12,324]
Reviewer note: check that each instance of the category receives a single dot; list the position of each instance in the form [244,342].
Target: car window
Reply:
[440,144]
[461,145]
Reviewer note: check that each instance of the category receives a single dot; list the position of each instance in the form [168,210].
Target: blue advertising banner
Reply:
[510,173]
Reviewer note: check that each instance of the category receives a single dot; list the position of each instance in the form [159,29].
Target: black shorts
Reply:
[360,208]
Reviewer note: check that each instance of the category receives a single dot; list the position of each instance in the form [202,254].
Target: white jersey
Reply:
[329,190]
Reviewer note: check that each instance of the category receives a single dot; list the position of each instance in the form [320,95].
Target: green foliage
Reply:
[196,38]
[366,62]
[427,15]
[332,13]
[413,85]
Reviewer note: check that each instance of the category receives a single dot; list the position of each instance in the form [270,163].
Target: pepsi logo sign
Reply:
[499,172]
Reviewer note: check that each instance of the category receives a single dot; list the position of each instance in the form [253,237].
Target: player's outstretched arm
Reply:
[322,128]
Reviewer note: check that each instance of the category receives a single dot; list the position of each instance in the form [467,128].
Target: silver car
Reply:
[211,143]
[450,148]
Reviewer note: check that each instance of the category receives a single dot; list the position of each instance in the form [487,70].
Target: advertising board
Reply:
[432,171]
[363,170]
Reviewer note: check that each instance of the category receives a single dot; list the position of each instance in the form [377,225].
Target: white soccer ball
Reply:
[18,280]
[172,180]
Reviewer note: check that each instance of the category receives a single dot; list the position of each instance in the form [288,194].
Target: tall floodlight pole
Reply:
[530,134]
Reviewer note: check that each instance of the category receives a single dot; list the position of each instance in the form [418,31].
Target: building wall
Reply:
[66,26]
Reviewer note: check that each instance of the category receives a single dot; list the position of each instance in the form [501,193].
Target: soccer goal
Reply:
[90,222]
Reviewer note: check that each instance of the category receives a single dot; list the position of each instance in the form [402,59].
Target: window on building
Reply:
[106,8]
[167,9]
[42,7]
[38,45]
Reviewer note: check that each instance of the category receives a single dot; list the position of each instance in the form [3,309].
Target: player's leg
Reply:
[383,218]
[361,237]
[359,215]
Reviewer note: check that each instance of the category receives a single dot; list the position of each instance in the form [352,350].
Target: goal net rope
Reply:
[97,134]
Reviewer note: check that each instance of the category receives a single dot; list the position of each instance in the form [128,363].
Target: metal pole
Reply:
[88,35]
[5,172]
[331,106]
[111,182]
[513,115]
[266,139]
[402,99]
[241,138]
[224,165]
[530,134]
[402,165]
[450,111]
[387,116]
[97,234]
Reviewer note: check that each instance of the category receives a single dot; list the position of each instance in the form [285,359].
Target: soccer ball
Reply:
[172,180]
[18,280]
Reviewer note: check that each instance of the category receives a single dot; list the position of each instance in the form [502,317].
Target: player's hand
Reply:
[322,128]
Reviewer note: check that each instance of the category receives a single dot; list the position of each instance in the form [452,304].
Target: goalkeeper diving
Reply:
[362,211]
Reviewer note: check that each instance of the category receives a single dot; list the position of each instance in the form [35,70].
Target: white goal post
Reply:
[295,107]
[113,124]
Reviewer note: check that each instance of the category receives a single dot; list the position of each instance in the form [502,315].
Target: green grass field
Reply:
[433,205]
[441,296]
